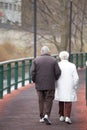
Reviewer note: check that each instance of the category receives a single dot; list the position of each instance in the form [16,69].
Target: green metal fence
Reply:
[79,59]
[15,73]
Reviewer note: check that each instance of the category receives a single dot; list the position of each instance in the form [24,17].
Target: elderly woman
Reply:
[66,87]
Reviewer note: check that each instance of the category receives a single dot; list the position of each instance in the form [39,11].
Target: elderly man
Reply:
[45,71]
[66,87]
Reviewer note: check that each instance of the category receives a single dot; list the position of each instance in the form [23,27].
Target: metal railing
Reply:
[79,59]
[15,73]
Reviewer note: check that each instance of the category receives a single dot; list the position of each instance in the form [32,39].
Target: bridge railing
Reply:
[79,59]
[15,73]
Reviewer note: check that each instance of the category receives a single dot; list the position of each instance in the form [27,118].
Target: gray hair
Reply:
[45,50]
[64,55]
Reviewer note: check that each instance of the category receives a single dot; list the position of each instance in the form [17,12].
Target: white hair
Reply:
[45,50]
[64,55]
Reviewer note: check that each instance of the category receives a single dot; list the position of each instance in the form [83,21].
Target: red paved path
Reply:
[19,111]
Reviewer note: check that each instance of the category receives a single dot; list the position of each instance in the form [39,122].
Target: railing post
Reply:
[16,75]
[86,83]
[30,63]
[9,78]
[85,56]
[71,58]
[76,60]
[81,56]
[1,81]
[23,73]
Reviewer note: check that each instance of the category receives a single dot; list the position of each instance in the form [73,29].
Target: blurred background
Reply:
[26,25]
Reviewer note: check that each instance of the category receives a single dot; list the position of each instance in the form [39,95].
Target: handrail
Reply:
[15,60]
[15,73]
[79,59]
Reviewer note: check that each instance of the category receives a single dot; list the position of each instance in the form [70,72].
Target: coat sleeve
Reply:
[75,78]
[33,71]
[57,71]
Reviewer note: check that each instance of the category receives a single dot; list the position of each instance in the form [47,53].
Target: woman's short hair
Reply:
[64,55]
[45,50]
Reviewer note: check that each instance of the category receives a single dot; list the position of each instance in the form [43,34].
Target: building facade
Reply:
[10,11]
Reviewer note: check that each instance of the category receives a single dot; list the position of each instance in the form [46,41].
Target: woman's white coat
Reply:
[67,84]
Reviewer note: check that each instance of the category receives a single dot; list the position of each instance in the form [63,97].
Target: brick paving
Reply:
[19,111]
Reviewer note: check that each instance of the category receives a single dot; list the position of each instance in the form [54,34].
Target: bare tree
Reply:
[79,18]
[53,20]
